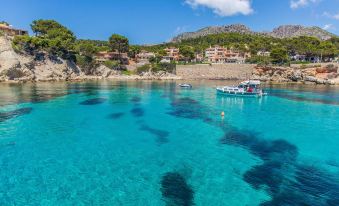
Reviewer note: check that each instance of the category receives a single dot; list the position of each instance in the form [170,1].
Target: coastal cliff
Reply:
[25,67]
[21,67]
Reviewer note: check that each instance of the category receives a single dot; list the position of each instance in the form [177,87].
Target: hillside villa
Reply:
[199,57]
[218,54]
[172,54]
[144,57]
[10,31]
[115,56]
[304,58]
[263,53]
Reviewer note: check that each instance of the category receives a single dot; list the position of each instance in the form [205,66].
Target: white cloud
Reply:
[333,16]
[224,7]
[336,16]
[328,27]
[295,4]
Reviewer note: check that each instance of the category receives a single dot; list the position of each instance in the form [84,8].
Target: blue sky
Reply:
[155,21]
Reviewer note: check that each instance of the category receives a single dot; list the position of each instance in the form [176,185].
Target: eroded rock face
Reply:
[12,65]
[20,67]
[104,71]
[58,69]
[318,75]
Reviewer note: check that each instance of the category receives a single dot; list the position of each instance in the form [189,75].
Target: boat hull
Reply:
[185,85]
[239,94]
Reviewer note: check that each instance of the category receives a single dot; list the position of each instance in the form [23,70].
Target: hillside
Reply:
[285,31]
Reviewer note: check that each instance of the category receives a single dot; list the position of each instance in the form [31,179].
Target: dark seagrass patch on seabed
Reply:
[332,101]
[117,115]
[137,112]
[161,135]
[176,191]
[93,101]
[136,99]
[15,113]
[186,107]
[287,181]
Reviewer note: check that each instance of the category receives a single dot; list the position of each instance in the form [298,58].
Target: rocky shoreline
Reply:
[20,68]
[314,74]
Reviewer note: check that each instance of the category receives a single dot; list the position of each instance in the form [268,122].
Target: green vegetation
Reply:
[279,56]
[166,67]
[308,46]
[127,72]
[57,40]
[187,52]
[86,63]
[4,22]
[144,68]
[118,43]
[50,36]
[54,39]
[157,67]
[111,64]
[133,51]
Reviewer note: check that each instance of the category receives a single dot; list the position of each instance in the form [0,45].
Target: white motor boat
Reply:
[185,85]
[246,88]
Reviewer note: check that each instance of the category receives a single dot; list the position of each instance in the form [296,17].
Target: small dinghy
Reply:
[250,88]
[185,85]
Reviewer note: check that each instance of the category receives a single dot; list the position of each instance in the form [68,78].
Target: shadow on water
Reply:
[176,191]
[12,114]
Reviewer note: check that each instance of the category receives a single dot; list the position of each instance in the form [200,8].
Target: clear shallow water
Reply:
[152,143]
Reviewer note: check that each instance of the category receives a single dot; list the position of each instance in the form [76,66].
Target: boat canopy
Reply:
[250,82]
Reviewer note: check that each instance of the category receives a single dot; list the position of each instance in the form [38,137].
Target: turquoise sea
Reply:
[152,143]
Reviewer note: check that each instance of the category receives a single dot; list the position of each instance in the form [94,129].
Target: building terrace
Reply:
[10,31]
[219,54]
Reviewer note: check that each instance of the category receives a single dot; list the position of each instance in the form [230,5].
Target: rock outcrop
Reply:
[285,31]
[288,31]
[234,28]
[24,67]
[328,74]
[21,67]
[12,65]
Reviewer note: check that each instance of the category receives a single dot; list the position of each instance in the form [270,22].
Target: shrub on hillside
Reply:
[112,64]
[86,63]
[167,67]
[143,68]
[14,73]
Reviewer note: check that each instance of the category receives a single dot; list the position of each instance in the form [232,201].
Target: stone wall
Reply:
[215,71]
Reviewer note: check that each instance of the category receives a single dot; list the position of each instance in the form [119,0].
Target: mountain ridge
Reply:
[283,31]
